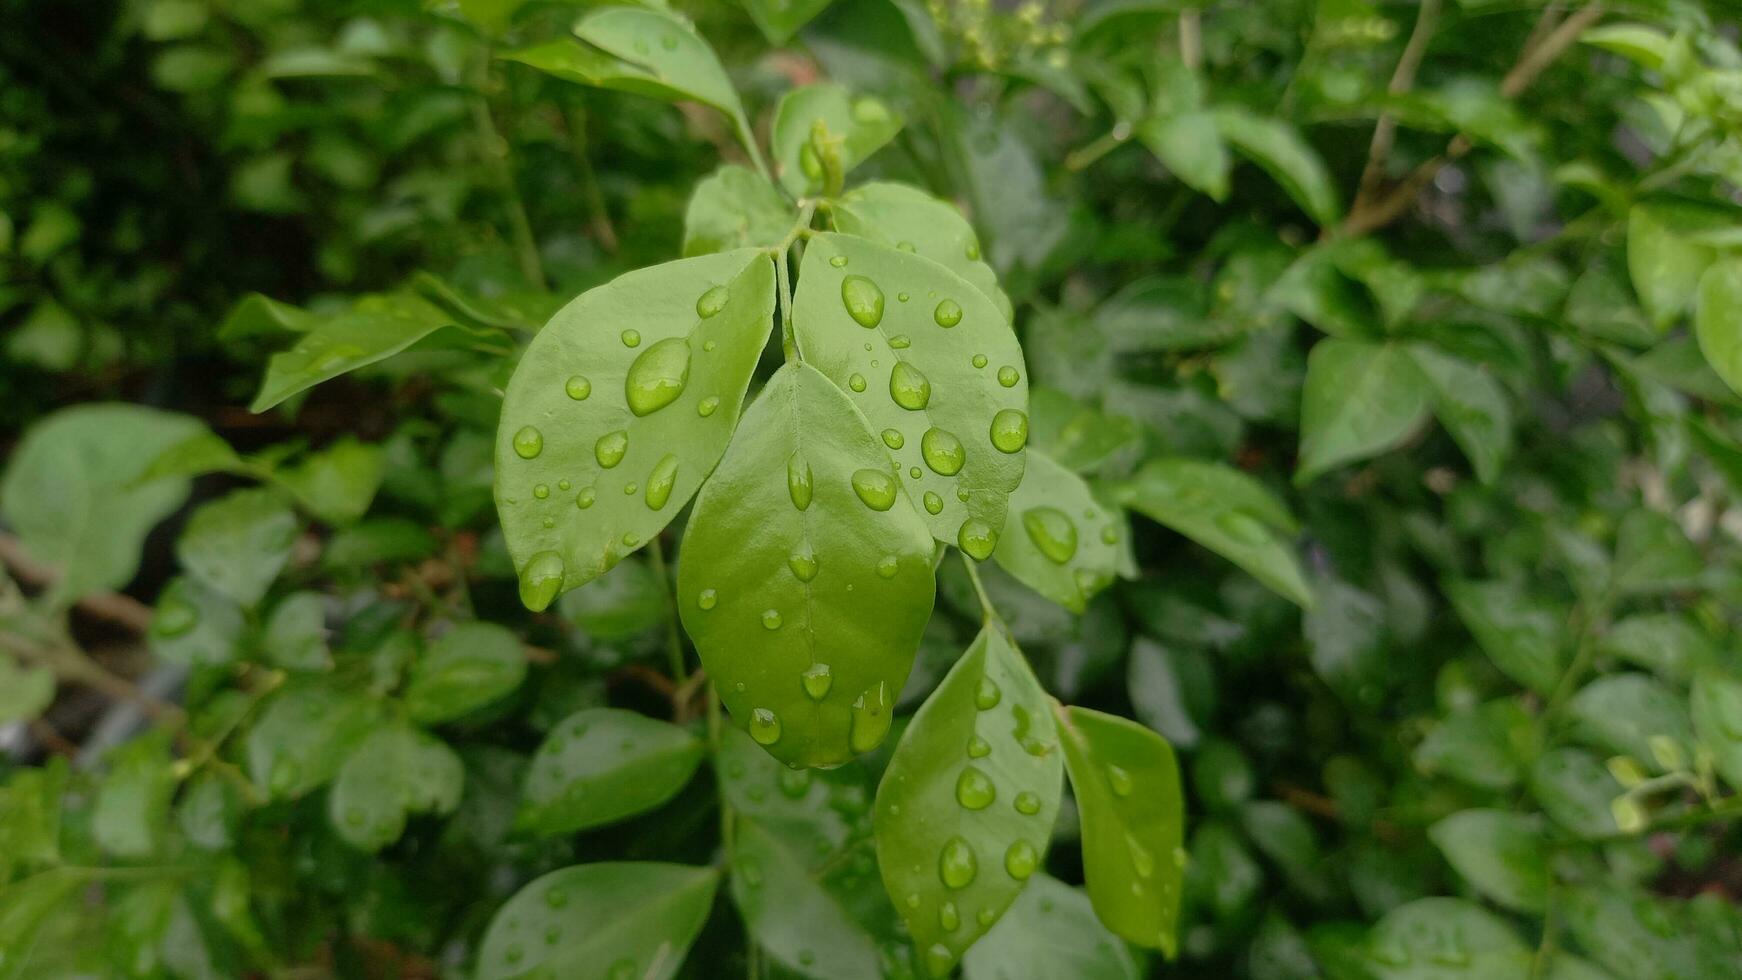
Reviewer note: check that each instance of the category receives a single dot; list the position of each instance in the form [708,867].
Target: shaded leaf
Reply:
[1504,855]
[1522,634]
[470,666]
[1290,161]
[395,772]
[600,765]
[1360,400]
[236,545]
[376,327]
[791,915]
[1471,405]
[1070,546]
[735,207]
[1718,320]
[1050,931]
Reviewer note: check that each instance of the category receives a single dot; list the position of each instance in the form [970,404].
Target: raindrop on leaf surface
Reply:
[934,504]
[798,481]
[893,438]
[987,694]
[863,300]
[1009,430]
[631,338]
[764,726]
[771,619]
[1020,860]
[908,387]
[1052,531]
[661,481]
[1008,376]
[707,599]
[875,488]
[977,539]
[974,789]
[803,566]
[948,313]
[658,376]
[942,451]
[578,388]
[1027,803]
[528,442]
[957,865]
[816,680]
[610,448]
[541,580]
[872,714]
[711,302]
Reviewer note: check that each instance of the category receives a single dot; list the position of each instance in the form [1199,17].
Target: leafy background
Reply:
[1406,334]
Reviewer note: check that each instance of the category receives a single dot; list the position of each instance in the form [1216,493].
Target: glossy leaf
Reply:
[1472,406]
[600,765]
[194,624]
[599,922]
[1049,932]
[779,20]
[1133,818]
[792,916]
[470,666]
[304,733]
[1360,400]
[376,327]
[910,219]
[620,408]
[735,207]
[1290,161]
[236,545]
[654,52]
[1718,320]
[939,374]
[1070,546]
[966,808]
[395,772]
[855,128]
[797,534]
[1504,855]
[1226,511]
[1521,633]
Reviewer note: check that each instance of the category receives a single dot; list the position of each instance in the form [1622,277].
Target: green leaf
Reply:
[236,545]
[1071,546]
[255,315]
[201,453]
[654,53]
[940,375]
[1444,939]
[397,771]
[375,328]
[1575,789]
[209,812]
[1226,511]
[1182,134]
[1077,436]
[1502,854]
[1521,633]
[1049,932]
[1671,645]
[1638,936]
[71,496]
[1156,679]
[910,219]
[130,817]
[470,666]
[1479,747]
[620,408]
[1633,715]
[592,921]
[1133,817]
[779,20]
[305,731]
[25,692]
[855,128]
[791,915]
[1667,261]
[1718,319]
[1289,159]
[1645,46]
[296,633]
[600,765]
[623,603]
[735,207]
[377,540]
[966,808]
[337,484]
[1716,706]
[24,907]
[1653,555]
[30,818]
[799,531]
[1471,405]
[194,624]
[1360,399]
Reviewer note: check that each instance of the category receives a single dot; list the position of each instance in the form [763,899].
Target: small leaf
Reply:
[1716,706]
[1502,854]
[130,817]
[1226,511]
[735,207]
[1158,686]
[1575,789]
[1182,134]
[600,765]
[797,534]
[1667,261]
[1069,546]
[779,20]
[377,540]
[236,545]
[791,915]
[1627,713]
[255,315]
[1653,555]
[1643,45]
[623,603]
[1444,939]
[861,125]
[1050,932]
[966,808]
[1133,818]
[375,328]
[397,771]
[940,371]
[1471,405]
[908,218]
[1637,934]
[470,666]
[1718,320]
[209,812]
[338,483]
[1290,160]
[304,732]
[628,918]
[1360,400]
[296,632]
[1479,747]
[620,408]
[1521,633]
[1077,436]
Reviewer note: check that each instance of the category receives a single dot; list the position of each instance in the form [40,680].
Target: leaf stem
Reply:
[1402,80]
[1083,157]
[987,610]
[783,274]
[673,641]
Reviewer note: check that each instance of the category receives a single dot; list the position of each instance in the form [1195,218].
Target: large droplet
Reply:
[948,313]
[876,489]
[978,748]
[1008,376]
[1009,430]
[987,694]
[707,599]
[541,580]
[816,680]
[803,565]
[942,451]
[528,442]
[864,301]
[764,726]
[908,387]
[610,448]
[1027,803]
[578,388]
[661,480]
[711,302]
[934,504]
[798,481]
[977,538]
[1052,531]
[658,376]
[893,438]
[974,789]
[1021,860]
[771,619]
[586,497]
[957,864]
[887,566]
[871,716]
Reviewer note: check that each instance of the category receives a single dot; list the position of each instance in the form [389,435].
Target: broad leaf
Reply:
[1071,546]
[735,207]
[623,603]
[796,535]
[296,633]
[194,624]
[1444,939]
[1653,554]
[1716,706]
[1133,822]
[1575,789]
[1226,511]
[1079,437]
[236,545]
[1479,746]
[966,808]
[375,328]
[1182,134]
[936,369]
[1050,932]
[130,817]
[1633,715]
[1640,936]
[791,915]
[1360,399]
[1504,855]
[1522,634]
[470,666]
[304,732]
[854,128]
[338,483]
[599,922]
[1718,320]
[600,765]
[1472,406]
[1665,258]
[24,691]
[779,20]
[620,408]
[395,772]
[1290,161]
[912,220]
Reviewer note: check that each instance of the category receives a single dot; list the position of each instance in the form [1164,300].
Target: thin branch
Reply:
[1402,80]
[1191,44]
[122,610]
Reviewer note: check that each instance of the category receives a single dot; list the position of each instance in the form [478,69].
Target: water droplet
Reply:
[794,783]
[817,679]
[977,538]
[1120,780]
[578,388]
[972,250]
[908,387]
[631,540]
[978,748]
[893,438]
[979,360]
[871,716]
[707,599]
[838,261]
[610,448]
[942,451]
[864,301]
[974,789]
[914,472]
[876,489]
[949,920]
[986,917]
[1020,860]
[939,960]
[948,313]
[962,494]
[528,442]
[987,694]
[541,491]
[900,342]
[957,864]
[629,489]
[764,726]
[631,338]
[912,900]
[903,297]
[1027,803]
[1109,535]
[549,522]
[798,481]
[585,498]
[803,565]
[905,247]
[658,376]
[1052,531]
[1008,376]
[1009,430]
[541,580]
[708,346]
[934,504]
[887,566]
[711,302]
[562,484]
[660,481]
[771,619]
[708,405]
[856,382]
[1142,861]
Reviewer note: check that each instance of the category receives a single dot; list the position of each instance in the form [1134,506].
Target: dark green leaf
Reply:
[395,772]
[625,602]
[600,765]
[1360,400]
[1716,706]
[236,545]
[1471,405]
[1290,161]
[304,732]
[779,20]
[1522,634]
[1575,790]
[470,666]
[338,483]
[792,916]
[1504,855]
[296,632]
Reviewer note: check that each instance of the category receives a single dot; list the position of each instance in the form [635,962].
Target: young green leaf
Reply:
[397,771]
[375,328]
[1360,399]
[735,207]
[236,545]
[908,218]
[336,484]
[194,624]
[296,633]
[620,408]
[854,128]
[1718,320]
[779,20]
[1226,511]
[1133,817]
[600,765]
[1472,406]
[1289,159]
[792,916]
[1504,855]
[1633,715]
[1653,554]
[1522,634]
[1050,932]
[130,817]
[1575,789]
[1071,546]
[799,532]
[305,731]
[1716,706]
[598,921]
[935,368]
[470,666]
[1667,261]
[966,808]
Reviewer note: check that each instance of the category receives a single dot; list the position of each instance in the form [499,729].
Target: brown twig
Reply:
[1402,80]
[122,610]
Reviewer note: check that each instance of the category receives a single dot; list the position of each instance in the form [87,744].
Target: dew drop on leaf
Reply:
[887,566]
[630,488]
[949,919]
[1120,780]
[660,481]
[977,538]
[934,504]
[528,442]
[708,406]
[864,301]
[541,491]
[900,342]
[915,473]
[908,387]
[856,382]
[893,438]
[903,297]
[541,580]
[974,789]
[658,376]
[987,694]
[585,498]
[1020,860]
[1027,803]
[942,451]
[707,599]
[979,360]
[838,261]
[610,448]
[562,484]
[1009,430]
[1052,531]
[556,898]
[711,302]
[578,388]
[1109,535]
[764,726]
[871,716]
[816,680]
[875,488]
[978,748]
[957,864]
[948,313]
[803,565]
[798,481]
[1008,376]
[771,619]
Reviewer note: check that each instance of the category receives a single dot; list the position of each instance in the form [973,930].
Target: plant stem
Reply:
[1402,80]
[989,613]
[783,275]
[1085,156]
[495,152]
[673,641]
